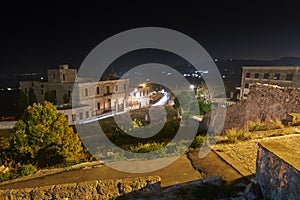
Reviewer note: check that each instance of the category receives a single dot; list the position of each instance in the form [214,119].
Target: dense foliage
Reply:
[43,137]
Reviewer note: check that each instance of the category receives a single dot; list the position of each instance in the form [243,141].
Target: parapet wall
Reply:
[277,171]
[102,189]
[264,101]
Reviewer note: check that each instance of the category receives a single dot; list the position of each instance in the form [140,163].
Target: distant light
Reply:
[147,79]
[192,87]
[168,73]
[225,70]
[216,60]
[42,78]
[9,89]
[223,76]
[184,74]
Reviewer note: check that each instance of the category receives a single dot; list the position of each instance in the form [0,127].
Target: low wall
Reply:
[102,189]
[278,171]
[7,124]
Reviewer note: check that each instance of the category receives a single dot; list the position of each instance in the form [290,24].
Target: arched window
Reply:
[98,105]
[98,90]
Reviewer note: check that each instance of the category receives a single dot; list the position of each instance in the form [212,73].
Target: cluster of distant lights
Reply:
[196,74]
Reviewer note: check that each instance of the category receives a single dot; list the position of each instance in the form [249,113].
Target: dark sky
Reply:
[36,37]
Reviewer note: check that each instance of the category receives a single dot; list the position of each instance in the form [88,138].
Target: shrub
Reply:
[274,124]
[197,142]
[26,170]
[235,134]
[256,126]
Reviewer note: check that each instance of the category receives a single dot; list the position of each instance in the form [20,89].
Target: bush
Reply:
[269,124]
[26,170]
[256,126]
[235,134]
[197,142]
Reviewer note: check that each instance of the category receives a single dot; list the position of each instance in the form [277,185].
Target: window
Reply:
[42,86]
[248,75]
[87,114]
[98,105]
[25,90]
[134,94]
[107,89]
[276,76]
[143,92]
[69,93]
[80,116]
[64,77]
[147,92]
[246,85]
[266,75]
[74,117]
[67,117]
[256,75]
[124,86]
[289,77]
[42,92]
[140,93]
[117,88]
[86,92]
[245,95]
[98,90]
[32,84]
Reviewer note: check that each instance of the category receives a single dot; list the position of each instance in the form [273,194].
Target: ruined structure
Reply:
[263,102]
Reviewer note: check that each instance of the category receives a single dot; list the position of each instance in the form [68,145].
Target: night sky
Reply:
[36,37]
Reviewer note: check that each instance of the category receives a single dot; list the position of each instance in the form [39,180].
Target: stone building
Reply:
[283,76]
[90,98]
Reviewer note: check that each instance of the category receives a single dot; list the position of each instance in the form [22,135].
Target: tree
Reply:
[51,96]
[66,98]
[31,97]
[22,101]
[43,137]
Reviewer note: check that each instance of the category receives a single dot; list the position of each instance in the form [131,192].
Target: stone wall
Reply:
[277,171]
[264,101]
[102,189]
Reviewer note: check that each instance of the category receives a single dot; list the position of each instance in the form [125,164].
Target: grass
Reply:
[259,129]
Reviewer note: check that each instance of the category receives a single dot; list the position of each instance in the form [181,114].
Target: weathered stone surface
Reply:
[277,171]
[102,189]
[263,102]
